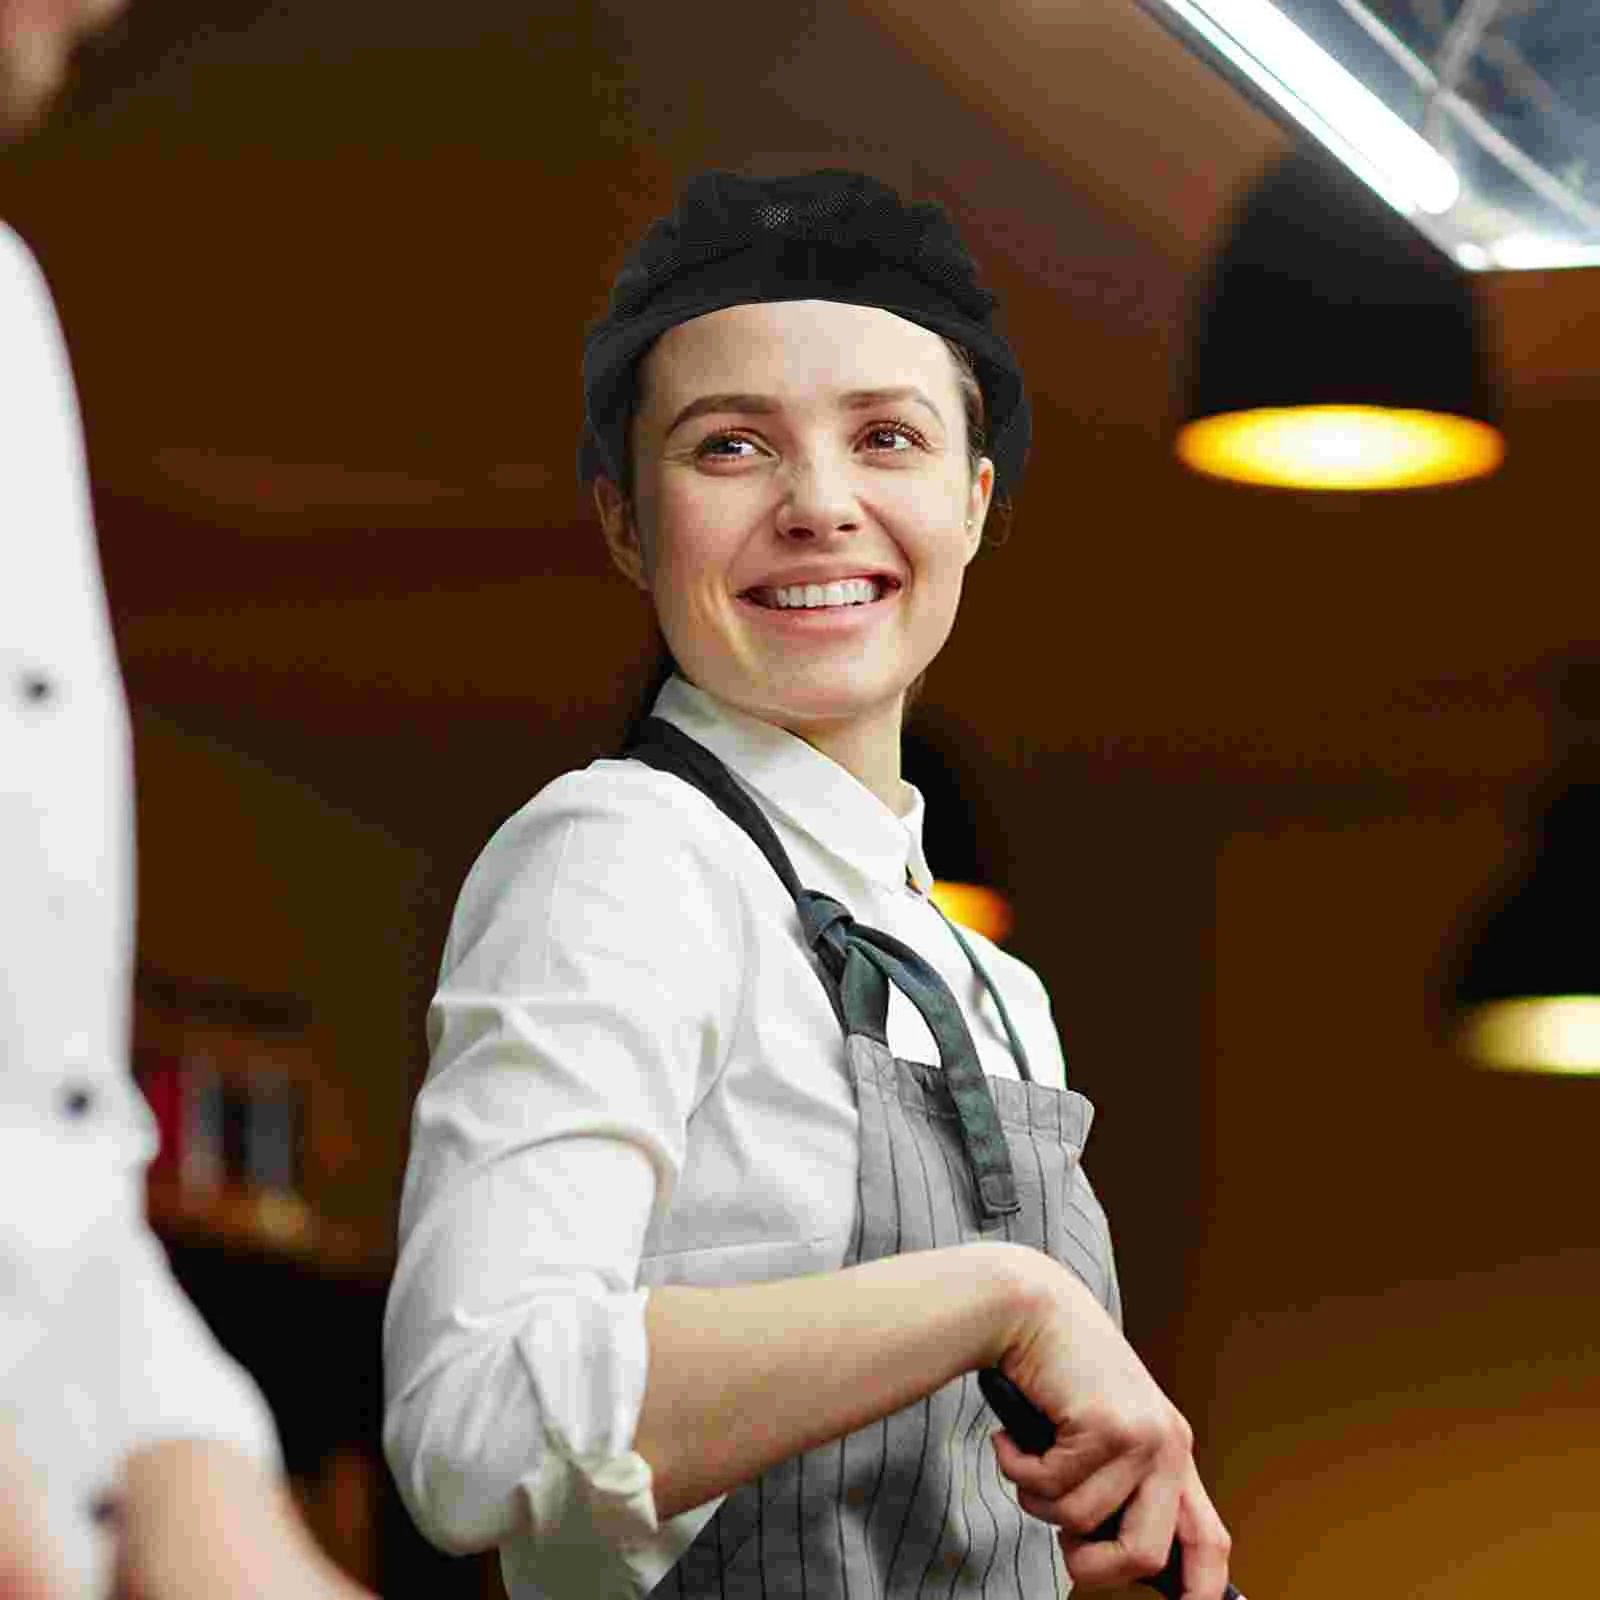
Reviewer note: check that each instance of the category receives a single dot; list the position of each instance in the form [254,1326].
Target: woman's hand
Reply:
[1120,1443]
[31,1567]
[203,1522]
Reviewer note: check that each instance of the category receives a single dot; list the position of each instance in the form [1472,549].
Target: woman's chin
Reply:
[825,705]
[817,692]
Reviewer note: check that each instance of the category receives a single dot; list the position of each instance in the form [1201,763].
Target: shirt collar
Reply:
[812,791]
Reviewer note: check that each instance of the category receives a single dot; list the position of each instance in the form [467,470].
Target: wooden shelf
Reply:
[264,1222]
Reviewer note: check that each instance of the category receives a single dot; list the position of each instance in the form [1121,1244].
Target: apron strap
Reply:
[858,963]
[856,989]
[670,749]
[1018,1053]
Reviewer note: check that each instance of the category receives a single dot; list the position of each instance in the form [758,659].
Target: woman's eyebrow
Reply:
[765,405]
[759,404]
[860,399]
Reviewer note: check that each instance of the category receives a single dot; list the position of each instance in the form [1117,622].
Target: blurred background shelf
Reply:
[248,1220]
[254,1140]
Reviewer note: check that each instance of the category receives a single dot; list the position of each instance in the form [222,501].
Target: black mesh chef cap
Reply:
[820,236]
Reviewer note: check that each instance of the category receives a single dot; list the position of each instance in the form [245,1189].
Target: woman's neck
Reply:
[867,748]
[867,745]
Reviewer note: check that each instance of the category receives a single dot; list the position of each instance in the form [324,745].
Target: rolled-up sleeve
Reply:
[587,997]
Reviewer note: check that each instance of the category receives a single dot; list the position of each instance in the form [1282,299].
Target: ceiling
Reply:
[324,272]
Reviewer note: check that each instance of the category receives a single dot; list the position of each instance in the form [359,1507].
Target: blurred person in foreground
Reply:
[135,1456]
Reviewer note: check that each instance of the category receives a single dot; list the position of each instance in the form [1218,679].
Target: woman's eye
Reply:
[725,447]
[891,437]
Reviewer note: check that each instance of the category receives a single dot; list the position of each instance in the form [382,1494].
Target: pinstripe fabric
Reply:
[914,1504]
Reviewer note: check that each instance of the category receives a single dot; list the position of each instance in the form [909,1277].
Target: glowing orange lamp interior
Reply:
[1341,447]
[1557,1033]
[974,907]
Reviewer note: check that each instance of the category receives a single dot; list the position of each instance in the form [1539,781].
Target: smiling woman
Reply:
[736,1161]
[770,454]
[617,494]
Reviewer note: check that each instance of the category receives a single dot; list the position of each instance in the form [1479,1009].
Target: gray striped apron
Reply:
[913,1504]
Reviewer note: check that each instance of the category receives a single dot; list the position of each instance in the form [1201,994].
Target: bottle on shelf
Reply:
[229,1078]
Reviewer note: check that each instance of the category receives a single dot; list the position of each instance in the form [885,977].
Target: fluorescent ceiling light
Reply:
[1529,252]
[1327,100]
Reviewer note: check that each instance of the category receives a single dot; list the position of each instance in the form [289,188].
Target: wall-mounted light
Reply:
[1525,993]
[1336,348]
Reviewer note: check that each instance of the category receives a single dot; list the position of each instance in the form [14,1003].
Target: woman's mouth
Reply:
[824,597]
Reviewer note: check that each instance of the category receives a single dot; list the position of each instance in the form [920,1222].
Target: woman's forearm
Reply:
[741,1378]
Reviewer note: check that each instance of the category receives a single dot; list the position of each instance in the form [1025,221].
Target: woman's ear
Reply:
[621,529]
[978,498]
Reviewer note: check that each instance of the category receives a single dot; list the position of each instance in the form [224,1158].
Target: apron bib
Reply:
[914,1504]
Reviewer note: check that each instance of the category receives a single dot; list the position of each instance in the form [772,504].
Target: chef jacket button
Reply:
[35,687]
[105,1510]
[77,1100]
[855,1495]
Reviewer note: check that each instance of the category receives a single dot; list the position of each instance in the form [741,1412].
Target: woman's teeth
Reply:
[850,592]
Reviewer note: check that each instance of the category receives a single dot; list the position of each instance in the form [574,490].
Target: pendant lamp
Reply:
[1336,348]
[950,841]
[1525,994]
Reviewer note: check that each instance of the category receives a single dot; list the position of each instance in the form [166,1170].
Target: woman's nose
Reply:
[818,502]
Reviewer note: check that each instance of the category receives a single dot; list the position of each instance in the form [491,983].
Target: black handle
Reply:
[1032,1431]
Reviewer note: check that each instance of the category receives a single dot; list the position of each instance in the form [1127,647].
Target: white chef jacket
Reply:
[636,1078]
[100,1352]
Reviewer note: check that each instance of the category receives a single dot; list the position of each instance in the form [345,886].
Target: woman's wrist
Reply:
[1023,1288]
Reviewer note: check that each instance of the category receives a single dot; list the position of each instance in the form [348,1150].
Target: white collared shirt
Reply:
[636,1078]
[99,1350]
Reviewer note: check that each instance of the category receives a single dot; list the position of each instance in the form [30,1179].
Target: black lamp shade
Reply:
[1527,992]
[1324,295]
[1542,939]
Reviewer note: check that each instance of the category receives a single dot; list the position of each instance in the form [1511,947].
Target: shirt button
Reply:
[77,1100]
[105,1510]
[35,688]
[856,1495]
[952,1559]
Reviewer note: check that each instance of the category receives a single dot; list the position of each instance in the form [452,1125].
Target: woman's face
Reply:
[790,444]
